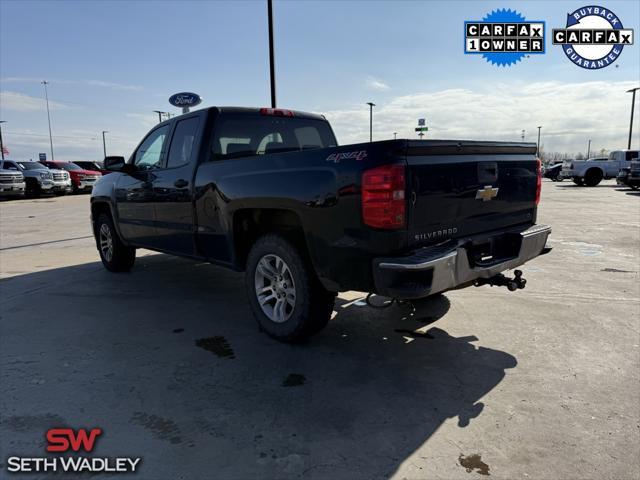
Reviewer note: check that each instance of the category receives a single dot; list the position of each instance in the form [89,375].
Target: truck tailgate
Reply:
[458,189]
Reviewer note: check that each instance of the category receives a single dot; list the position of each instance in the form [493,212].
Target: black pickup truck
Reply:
[269,192]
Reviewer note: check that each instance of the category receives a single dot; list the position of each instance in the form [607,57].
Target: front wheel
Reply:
[115,256]
[593,177]
[286,298]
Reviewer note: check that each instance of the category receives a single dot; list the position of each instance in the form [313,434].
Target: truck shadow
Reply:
[168,361]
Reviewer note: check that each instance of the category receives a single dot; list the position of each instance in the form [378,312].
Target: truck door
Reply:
[134,192]
[173,187]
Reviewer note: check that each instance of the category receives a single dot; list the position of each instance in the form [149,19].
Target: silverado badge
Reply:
[487,193]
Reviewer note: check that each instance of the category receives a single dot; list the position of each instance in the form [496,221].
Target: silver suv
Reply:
[11,183]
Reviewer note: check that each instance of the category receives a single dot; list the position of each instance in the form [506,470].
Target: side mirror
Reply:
[114,164]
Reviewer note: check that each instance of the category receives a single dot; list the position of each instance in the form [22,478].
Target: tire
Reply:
[635,187]
[593,177]
[287,299]
[115,256]
[578,181]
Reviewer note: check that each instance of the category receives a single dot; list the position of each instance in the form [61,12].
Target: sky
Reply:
[110,64]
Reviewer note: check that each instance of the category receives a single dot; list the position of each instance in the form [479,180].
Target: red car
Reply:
[81,179]
[90,165]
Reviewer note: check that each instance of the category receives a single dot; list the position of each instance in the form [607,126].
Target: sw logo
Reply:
[504,37]
[67,440]
[63,439]
[593,37]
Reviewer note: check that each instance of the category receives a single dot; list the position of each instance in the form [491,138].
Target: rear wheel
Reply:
[593,177]
[115,256]
[286,298]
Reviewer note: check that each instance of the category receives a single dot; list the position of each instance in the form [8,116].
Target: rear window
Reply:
[238,135]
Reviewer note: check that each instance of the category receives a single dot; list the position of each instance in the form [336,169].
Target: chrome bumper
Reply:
[437,269]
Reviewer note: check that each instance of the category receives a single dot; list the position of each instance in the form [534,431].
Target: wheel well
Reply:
[97,209]
[251,224]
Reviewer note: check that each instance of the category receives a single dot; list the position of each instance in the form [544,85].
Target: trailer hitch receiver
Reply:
[499,280]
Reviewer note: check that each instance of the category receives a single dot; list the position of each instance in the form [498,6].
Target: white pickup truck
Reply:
[590,172]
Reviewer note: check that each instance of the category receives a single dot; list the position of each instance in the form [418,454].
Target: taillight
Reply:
[276,112]
[383,203]
[538,181]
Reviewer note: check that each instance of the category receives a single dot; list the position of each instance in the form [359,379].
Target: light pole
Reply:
[538,147]
[589,149]
[46,95]
[371,105]
[2,144]
[104,143]
[160,113]
[522,136]
[272,65]
[633,104]
[395,135]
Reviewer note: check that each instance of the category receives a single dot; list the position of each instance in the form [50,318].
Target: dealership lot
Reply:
[167,360]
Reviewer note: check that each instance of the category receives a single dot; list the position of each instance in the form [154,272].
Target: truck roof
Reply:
[256,111]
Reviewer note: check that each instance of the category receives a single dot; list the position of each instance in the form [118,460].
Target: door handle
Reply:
[181,183]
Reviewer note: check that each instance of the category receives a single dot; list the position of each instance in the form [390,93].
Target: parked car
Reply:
[592,171]
[95,166]
[38,179]
[81,179]
[269,192]
[634,175]
[623,177]
[553,172]
[11,183]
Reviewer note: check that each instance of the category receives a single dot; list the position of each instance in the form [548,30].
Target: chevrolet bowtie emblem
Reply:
[487,193]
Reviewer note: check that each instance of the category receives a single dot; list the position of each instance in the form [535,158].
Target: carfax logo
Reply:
[504,37]
[593,38]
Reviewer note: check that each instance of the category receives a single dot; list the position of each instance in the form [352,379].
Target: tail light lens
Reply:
[538,181]
[383,202]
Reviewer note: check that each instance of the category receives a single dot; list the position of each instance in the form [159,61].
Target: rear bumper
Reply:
[437,269]
[566,173]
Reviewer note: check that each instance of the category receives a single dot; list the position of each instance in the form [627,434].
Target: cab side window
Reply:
[183,141]
[149,154]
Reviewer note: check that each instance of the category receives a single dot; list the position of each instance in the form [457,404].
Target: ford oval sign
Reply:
[185,99]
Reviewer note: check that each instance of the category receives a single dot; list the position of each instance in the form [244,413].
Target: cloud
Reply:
[19,102]
[570,114]
[376,85]
[114,86]
[91,83]
[70,144]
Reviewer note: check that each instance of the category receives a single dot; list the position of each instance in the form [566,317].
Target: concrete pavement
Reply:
[167,360]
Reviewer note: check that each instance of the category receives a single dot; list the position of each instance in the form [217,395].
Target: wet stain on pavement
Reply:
[29,423]
[294,380]
[472,462]
[615,270]
[178,330]
[161,428]
[217,345]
